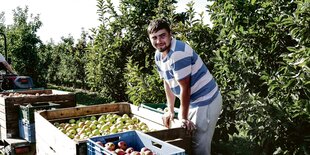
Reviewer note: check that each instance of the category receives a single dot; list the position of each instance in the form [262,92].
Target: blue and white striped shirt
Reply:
[183,61]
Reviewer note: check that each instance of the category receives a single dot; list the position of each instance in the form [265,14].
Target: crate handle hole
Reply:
[156,145]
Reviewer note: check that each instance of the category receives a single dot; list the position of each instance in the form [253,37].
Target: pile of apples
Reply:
[21,95]
[106,124]
[123,149]
[163,110]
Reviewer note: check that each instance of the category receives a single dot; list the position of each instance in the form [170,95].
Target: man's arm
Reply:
[168,116]
[170,97]
[184,97]
[8,67]
[185,102]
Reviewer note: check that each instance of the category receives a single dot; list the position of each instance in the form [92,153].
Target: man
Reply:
[6,65]
[186,76]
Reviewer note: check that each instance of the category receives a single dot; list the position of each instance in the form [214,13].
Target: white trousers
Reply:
[205,119]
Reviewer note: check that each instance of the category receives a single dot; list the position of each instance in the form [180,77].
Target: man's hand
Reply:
[188,125]
[168,118]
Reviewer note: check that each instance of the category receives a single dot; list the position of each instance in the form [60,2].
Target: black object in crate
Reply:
[26,112]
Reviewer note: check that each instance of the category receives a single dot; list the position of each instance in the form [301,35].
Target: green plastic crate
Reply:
[26,112]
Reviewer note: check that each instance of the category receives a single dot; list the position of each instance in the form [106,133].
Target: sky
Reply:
[56,15]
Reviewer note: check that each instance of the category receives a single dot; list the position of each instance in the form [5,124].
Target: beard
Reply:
[163,49]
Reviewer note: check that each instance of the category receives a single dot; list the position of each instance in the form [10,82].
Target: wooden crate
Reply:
[175,135]
[52,141]
[9,107]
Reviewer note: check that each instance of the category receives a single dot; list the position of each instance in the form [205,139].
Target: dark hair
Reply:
[158,24]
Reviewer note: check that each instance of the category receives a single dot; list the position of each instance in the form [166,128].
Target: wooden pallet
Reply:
[9,107]
[52,141]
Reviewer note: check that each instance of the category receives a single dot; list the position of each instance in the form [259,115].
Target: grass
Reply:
[84,97]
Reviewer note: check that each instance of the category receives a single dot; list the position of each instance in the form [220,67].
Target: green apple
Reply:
[94,122]
[72,121]
[81,124]
[135,119]
[96,132]
[101,118]
[87,122]
[93,118]
[56,124]
[93,126]
[125,116]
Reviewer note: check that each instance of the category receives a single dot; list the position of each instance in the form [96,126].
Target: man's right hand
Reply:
[168,118]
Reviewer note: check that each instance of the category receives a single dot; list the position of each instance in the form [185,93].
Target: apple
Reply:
[122,145]
[56,124]
[96,132]
[87,122]
[135,119]
[125,116]
[166,109]
[129,150]
[80,124]
[72,121]
[148,152]
[110,146]
[93,126]
[119,151]
[99,142]
[135,153]
[93,118]
[143,149]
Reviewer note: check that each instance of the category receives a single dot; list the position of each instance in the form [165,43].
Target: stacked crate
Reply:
[10,106]
[26,118]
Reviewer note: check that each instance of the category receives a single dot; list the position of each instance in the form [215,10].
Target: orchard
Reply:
[258,52]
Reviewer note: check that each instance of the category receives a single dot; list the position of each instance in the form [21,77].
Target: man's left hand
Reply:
[188,125]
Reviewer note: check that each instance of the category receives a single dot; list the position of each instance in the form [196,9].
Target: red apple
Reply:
[135,153]
[129,150]
[120,151]
[100,143]
[143,149]
[122,145]
[110,146]
[148,152]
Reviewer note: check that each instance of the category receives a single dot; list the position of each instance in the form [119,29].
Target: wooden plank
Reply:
[2,116]
[66,113]
[46,95]
[2,101]
[30,91]
[11,101]
[2,108]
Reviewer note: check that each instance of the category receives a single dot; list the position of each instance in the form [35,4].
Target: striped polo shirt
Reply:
[183,61]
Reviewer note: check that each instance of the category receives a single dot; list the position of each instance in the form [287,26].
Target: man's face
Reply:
[161,40]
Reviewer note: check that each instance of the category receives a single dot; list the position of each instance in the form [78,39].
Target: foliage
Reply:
[143,87]
[258,52]
[24,44]
[263,67]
